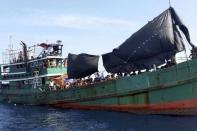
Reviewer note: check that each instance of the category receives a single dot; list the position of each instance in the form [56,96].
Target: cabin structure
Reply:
[33,72]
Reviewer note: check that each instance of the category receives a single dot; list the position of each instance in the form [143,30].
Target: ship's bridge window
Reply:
[6,69]
[52,63]
[32,64]
[59,62]
[20,66]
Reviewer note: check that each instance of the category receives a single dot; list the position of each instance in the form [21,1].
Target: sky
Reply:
[90,26]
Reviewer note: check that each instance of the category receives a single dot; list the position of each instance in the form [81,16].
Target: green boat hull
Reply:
[166,91]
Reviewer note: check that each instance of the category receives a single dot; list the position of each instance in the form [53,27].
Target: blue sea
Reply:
[36,118]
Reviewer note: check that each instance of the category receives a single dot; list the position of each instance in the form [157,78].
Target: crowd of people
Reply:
[100,77]
[93,79]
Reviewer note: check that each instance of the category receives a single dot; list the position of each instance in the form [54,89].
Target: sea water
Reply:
[35,118]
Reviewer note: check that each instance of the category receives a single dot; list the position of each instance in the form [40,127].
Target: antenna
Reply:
[169,3]
[10,49]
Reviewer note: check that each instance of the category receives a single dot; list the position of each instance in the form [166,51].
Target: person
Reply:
[132,73]
[44,54]
[125,74]
[14,60]
[119,75]
[102,77]
[97,77]
[55,87]
[67,85]
[51,85]
[20,56]
[55,50]
[41,89]
[45,64]
[89,80]
[193,53]
[171,62]
[113,76]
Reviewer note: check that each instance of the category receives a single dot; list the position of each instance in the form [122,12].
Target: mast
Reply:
[25,57]
[10,51]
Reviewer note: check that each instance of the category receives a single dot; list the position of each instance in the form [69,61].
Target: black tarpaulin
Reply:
[113,63]
[153,44]
[82,65]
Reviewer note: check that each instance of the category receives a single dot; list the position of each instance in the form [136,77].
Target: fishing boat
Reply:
[144,79]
